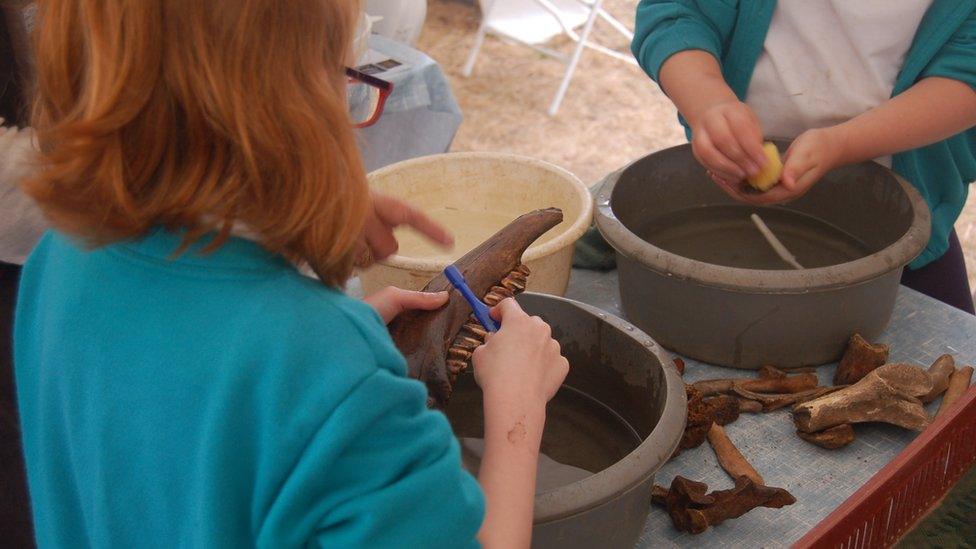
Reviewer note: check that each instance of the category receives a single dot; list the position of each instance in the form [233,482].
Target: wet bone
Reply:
[729,457]
[958,384]
[940,371]
[860,358]
[831,439]
[889,394]
[693,510]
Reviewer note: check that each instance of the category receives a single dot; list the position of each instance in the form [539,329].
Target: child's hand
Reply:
[388,213]
[521,363]
[810,156]
[727,140]
[390,302]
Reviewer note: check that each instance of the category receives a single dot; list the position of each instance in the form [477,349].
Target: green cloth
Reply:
[734,31]
[952,523]
[222,400]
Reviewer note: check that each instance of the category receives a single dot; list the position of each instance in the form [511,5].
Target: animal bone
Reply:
[786,384]
[729,457]
[958,384]
[749,406]
[860,358]
[940,371]
[837,436]
[770,372]
[702,413]
[769,403]
[693,510]
[888,394]
[679,364]
[427,338]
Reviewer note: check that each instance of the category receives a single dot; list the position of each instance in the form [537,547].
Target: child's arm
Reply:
[932,110]
[519,369]
[726,135]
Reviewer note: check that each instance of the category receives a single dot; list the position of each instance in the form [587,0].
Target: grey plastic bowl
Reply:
[625,370]
[746,317]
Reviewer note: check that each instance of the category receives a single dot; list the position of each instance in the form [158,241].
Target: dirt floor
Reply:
[612,114]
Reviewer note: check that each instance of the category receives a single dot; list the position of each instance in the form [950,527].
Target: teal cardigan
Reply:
[222,401]
[734,31]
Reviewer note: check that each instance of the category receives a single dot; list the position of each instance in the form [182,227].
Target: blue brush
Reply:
[481,311]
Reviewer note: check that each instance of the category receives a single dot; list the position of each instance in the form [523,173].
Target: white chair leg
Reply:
[574,60]
[479,40]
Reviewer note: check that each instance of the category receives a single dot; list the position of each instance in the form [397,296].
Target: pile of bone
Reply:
[866,388]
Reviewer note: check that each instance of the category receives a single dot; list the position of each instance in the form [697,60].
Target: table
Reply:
[421,116]
[921,329]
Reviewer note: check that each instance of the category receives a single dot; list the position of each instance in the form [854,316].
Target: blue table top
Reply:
[921,329]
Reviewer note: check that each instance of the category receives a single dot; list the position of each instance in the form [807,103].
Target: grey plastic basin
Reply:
[622,368]
[747,317]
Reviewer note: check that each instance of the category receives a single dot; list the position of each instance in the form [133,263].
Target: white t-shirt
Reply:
[827,61]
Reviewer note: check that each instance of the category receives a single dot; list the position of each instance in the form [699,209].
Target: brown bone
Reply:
[424,337]
[702,413]
[958,384]
[770,403]
[940,371]
[837,436]
[889,394]
[786,384]
[693,510]
[860,358]
[729,457]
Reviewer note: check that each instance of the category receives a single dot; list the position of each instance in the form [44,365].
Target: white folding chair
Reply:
[535,22]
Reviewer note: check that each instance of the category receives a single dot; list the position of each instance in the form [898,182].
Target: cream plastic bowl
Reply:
[474,195]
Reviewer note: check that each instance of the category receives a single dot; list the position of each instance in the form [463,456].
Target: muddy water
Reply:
[470,228]
[725,235]
[582,435]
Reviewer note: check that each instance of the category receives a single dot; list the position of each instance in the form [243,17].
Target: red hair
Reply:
[197,115]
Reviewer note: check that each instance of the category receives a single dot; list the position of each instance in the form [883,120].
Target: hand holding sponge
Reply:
[769,176]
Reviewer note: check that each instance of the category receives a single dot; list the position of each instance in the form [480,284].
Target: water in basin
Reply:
[582,435]
[725,235]
[470,228]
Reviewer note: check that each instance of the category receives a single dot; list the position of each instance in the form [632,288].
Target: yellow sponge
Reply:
[770,174]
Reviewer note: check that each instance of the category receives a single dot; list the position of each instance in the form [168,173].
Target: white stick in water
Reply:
[778,246]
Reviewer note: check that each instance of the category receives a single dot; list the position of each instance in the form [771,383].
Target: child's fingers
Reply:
[726,139]
[747,129]
[715,161]
[506,307]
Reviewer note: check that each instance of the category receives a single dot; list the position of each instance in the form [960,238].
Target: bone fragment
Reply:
[770,403]
[835,437]
[693,510]
[749,406]
[702,412]
[679,364]
[958,384]
[729,457]
[771,372]
[940,371]
[786,384]
[860,358]
[889,394]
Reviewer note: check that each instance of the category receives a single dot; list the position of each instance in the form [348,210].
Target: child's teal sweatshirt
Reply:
[734,31]
[222,400]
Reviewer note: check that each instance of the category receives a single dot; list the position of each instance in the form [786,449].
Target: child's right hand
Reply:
[727,139]
[521,362]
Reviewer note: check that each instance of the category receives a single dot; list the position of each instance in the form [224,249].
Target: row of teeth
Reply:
[472,334]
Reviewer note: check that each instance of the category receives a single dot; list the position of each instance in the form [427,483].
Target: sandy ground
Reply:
[612,113]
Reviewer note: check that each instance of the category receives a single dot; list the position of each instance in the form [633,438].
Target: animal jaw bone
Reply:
[889,394]
[472,334]
[427,338]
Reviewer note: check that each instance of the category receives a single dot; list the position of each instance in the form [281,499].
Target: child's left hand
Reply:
[812,154]
[391,301]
